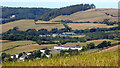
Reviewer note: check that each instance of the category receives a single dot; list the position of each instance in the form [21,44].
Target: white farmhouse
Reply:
[67,47]
[17,54]
[12,56]
[29,53]
[47,56]
[22,58]
[42,50]
[13,16]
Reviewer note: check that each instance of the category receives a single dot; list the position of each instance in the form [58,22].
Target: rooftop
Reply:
[69,46]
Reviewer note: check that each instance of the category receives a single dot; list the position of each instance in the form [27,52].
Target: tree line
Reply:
[90,34]
[105,21]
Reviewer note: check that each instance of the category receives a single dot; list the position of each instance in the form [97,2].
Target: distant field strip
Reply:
[49,26]
[81,26]
[46,22]
[23,46]
[13,44]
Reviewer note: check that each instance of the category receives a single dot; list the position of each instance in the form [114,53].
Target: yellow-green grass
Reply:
[91,15]
[49,26]
[94,41]
[11,44]
[81,26]
[25,24]
[22,24]
[94,59]
[40,21]
[28,48]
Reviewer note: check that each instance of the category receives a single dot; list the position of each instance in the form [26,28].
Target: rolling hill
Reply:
[91,15]
[25,24]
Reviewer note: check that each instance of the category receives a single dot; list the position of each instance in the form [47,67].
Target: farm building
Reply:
[42,50]
[17,54]
[22,58]
[11,56]
[29,53]
[67,47]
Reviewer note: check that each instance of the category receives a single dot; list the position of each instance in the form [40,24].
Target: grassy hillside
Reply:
[10,44]
[94,59]
[43,22]
[91,15]
[28,24]
[26,46]
[81,26]
[25,24]
[23,46]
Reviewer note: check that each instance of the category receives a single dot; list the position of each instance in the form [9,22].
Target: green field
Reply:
[26,46]
[23,46]
[94,41]
[10,44]
[94,59]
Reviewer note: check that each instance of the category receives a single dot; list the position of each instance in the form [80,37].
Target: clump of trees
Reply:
[104,44]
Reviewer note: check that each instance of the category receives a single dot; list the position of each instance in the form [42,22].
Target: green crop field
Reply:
[81,26]
[94,41]
[94,59]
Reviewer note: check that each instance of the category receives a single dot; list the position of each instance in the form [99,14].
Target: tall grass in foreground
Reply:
[94,59]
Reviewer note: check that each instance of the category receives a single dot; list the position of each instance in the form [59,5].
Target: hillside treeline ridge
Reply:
[45,14]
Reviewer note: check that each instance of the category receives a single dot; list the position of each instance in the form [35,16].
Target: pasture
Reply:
[11,44]
[23,46]
[91,15]
[26,24]
[42,22]
[49,26]
[82,26]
